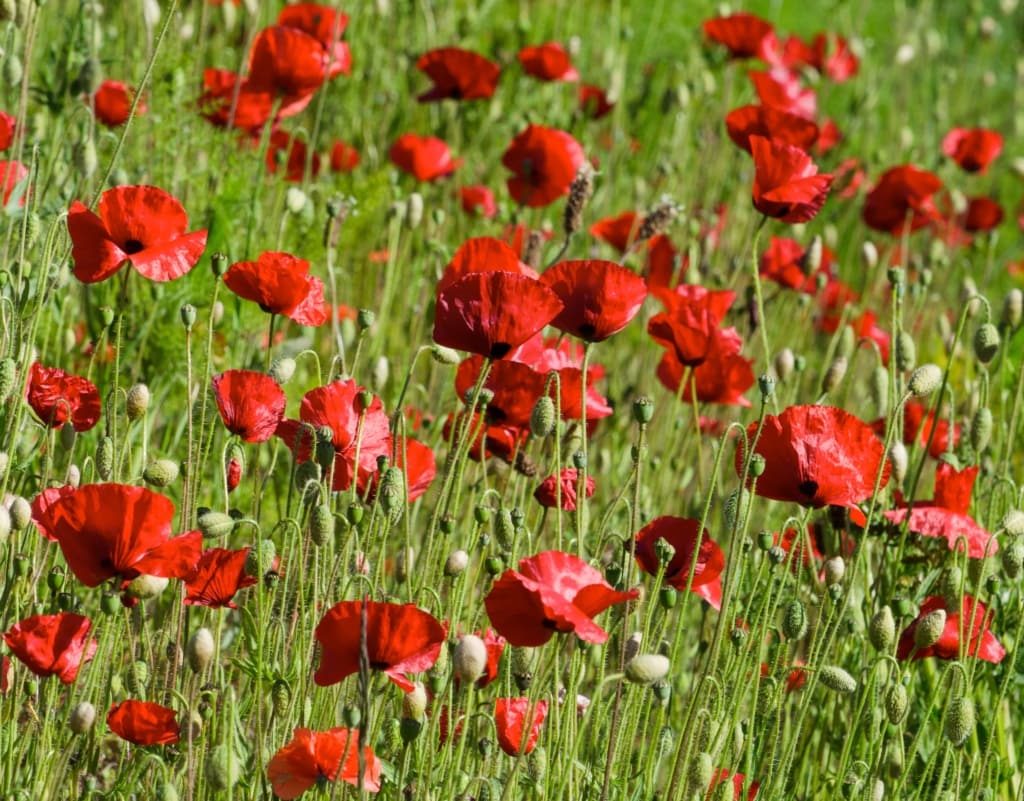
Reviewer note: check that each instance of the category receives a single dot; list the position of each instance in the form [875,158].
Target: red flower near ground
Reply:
[107,530]
[548,62]
[543,162]
[594,101]
[745,35]
[552,592]
[518,720]
[478,199]
[600,297]
[338,407]
[973,148]
[901,201]
[251,404]
[52,645]
[13,172]
[218,576]
[325,25]
[972,616]
[7,128]
[683,535]
[817,456]
[314,757]
[547,494]
[291,153]
[619,232]
[786,181]
[400,639]
[56,397]
[344,157]
[112,102]
[770,123]
[458,75]
[139,225]
[782,90]
[281,284]
[426,158]
[143,723]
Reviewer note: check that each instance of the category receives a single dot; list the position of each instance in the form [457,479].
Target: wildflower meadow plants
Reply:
[632,411]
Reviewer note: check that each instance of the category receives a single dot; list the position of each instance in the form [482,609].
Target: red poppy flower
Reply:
[918,422]
[745,35]
[566,359]
[426,158]
[833,57]
[619,231]
[543,162]
[682,534]
[495,645]
[231,101]
[338,407]
[400,639]
[482,254]
[291,153]
[416,461]
[478,199]
[41,509]
[781,89]
[796,679]
[548,62]
[7,127]
[502,441]
[52,645]
[829,136]
[516,387]
[13,172]
[218,576]
[139,225]
[782,263]
[344,157]
[547,494]
[981,642]
[552,592]
[982,214]
[901,201]
[289,64]
[516,720]
[280,283]
[458,75]
[771,123]
[56,397]
[313,757]
[688,327]
[737,780]
[112,102]
[600,297]
[251,404]
[973,148]
[107,530]
[594,101]
[143,723]
[817,456]
[723,377]
[786,181]
[325,25]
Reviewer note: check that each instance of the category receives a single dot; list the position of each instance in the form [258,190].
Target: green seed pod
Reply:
[834,375]
[280,696]
[365,318]
[959,720]
[647,668]
[82,718]
[668,597]
[986,343]
[542,418]
[215,525]
[925,380]
[321,524]
[409,729]
[504,529]
[643,410]
[906,352]
[260,558]
[896,703]
[68,435]
[1012,557]
[882,629]
[223,768]
[981,429]
[160,472]
[837,679]
[930,628]
[8,377]
[537,764]
[880,390]
[794,620]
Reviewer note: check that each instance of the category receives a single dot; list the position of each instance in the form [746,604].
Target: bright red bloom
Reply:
[619,232]
[689,326]
[600,297]
[781,263]
[552,592]
[817,456]
[548,62]
[41,509]
[781,89]
[218,576]
[543,162]
[313,757]
[143,723]
[139,225]
[683,535]
[337,407]
[786,181]
[289,64]
[567,360]
[416,461]
[918,422]
[291,153]
[7,128]
[13,172]
[482,254]
[478,199]
[982,214]
[981,642]
[516,387]
[902,201]
[400,639]
[829,136]
[594,101]
[833,57]
[251,404]
[107,530]
[426,158]
[52,645]
[344,157]
[547,494]
[112,102]
[281,284]
[502,441]
[770,123]
[458,75]
[745,35]
[230,101]
[973,148]
[511,720]
[723,377]
[946,517]
[325,25]
[56,397]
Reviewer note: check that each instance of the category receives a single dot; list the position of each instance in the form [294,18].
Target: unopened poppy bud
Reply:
[281,370]
[702,771]
[215,525]
[986,342]
[160,472]
[295,200]
[404,561]
[537,765]
[73,477]
[137,402]
[188,316]
[834,375]
[84,156]
[785,363]
[579,193]
[835,569]
[200,649]
[668,597]
[882,629]
[810,262]
[664,551]
[105,458]
[981,429]
[766,383]
[166,791]
[1013,559]
[469,659]
[8,376]
[504,529]
[143,587]
[794,620]
[657,220]
[1013,308]
[643,410]
[219,263]
[443,355]
[321,524]
[647,668]
[392,492]
[542,418]
[906,352]
[365,318]
[959,721]
[837,679]
[724,791]
[757,465]
[364,399]
[223,768]
[68,435]
[20,513]
[456,563]
[280,697]
[896,703]
[533,252]
[632,645]
[879,388]
[414,702]
[869,255]
[82,718]
[735,507]
[738,636]
[579,460]
[260,557]
[351,716]
[930,628]
[522,667]
[1012,522]
[925,380]
[765,540]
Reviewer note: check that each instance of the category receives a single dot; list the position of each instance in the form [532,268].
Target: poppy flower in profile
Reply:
[143,723]
[291,153]
[400,639]
[594,101]
[972,618]
[311,758]
[518,722]
[251,404]
[782,263]
[771,123]
[344,157]
[817,456]
[108,530]
[782,90]
[52,645]
[973,148]
[723,377]
[619,231]
[458,75]
[786,181]
[600,297]
[281,284]
[982,214]
[548,62]
[288,64]
[325,25]
[553,592]
[745,35]
[478,199]
[229,101]
[565,484]
[543,162]
[482,254]
[139,225]
[13,172]
[833,57]
[417,463]
[56,397]
[8,124]
[901,201]
[946,517]
[218,576]
[112,102]
[426,158]
[683,535]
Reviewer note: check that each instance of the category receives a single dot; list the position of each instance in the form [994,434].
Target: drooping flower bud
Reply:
[785,363]
[443,355]
[1013,308]
[542,418]
[959,720]
[896,703]
[794,620]
[981,429]
[834,375]
[200,649]
[160,472]
[215,525]
[882,629]
[986,342]
[469,659]
[144,586]
[137,402]
[647,668]
[82,718]
[930,628]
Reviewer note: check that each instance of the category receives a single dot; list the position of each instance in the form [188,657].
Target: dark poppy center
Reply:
[587,331]
[526,167]
[133,246]
[808,489]
[378,665]
[500,350]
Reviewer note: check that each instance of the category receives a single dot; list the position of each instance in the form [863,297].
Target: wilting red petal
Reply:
[600,297]
[143,723]
[314,756]
[52,645]
[458,74]
[56,397]
[516,720]
[251,404]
